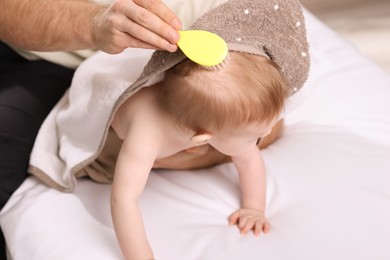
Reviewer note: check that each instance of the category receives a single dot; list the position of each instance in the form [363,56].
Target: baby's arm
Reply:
[132,170]
[251,170]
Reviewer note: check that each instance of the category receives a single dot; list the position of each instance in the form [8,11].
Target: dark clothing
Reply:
[28,91]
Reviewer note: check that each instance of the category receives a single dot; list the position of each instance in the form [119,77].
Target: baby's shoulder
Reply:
[131,112]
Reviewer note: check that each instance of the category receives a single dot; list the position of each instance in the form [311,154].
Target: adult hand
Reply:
[146,24]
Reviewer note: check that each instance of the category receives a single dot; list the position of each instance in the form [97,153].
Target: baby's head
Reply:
[248,89]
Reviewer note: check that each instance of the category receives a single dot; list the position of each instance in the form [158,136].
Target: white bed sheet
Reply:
[328,185]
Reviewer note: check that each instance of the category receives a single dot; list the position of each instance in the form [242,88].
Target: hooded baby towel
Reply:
[75,132]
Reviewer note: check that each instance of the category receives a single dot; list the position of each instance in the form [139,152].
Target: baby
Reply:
[230,109]
[185,108]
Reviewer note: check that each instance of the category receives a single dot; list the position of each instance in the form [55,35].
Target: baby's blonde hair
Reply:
[247,89]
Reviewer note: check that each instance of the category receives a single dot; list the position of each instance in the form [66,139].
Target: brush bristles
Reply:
[218,66]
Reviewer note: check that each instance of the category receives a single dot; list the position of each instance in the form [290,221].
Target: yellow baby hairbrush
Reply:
[202,47]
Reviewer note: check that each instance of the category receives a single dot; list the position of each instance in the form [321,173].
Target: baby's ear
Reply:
[201,138]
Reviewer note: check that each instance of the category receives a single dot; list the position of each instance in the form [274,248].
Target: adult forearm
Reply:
[48,25]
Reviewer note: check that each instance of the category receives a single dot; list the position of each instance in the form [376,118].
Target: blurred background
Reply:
[365,23]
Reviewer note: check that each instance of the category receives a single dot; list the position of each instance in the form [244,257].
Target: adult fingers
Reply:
[144,35]
[149,27]
[162,11]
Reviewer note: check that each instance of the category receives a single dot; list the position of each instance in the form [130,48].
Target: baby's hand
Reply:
[250,219]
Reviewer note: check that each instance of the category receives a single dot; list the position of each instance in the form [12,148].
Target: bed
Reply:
[328,185]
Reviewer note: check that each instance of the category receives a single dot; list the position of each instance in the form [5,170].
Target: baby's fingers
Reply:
[261,227]
[258,228]
[266,227]
[233,218]
[246,224]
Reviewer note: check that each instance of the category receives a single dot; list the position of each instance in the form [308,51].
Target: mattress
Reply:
[328,193]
